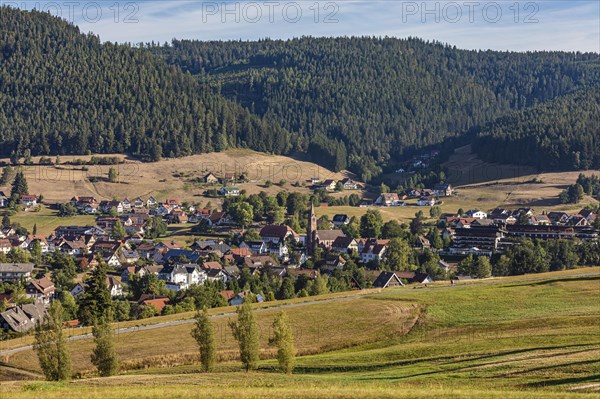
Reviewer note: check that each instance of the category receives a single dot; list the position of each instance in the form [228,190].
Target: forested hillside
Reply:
[363,101]
[62,92]
[562,134]
[357,103]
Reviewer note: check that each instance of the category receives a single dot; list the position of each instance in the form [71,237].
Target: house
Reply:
[422,243]
[275,233]
[77,290]
[5,246]
[259,261]
[329,184]
[349,184]
[415,277]
[172,202]
[126,204]
[588,214]
[314,181]
[41,290]
[373,250]
[210,179]
[15,272]
[216,275]
[443,190]
[558,217]
[158,302]
[257,247]
[502,216]
[476,214]
[333,262]
[28,200]
[227,294]
[182,276]
[3,200]
[325,238]
[340,220]
[239,298]
[388,199]
[229,192]
[22,318]
[107,206]
[578,221]
[386,280]
[540,220]
[114,285]
[138,203]
[151,202]
[344,245]
[426,201]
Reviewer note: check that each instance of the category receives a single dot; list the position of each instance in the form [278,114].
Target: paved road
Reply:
[294,305]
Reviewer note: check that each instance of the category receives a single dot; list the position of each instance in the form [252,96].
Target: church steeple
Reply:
[311,231]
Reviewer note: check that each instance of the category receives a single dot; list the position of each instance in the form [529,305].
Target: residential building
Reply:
[41,290]
[388,199]
[476,214]
[22,318]
[229,191]
[15,272]
[387,280]
[443,190]
[349,184]
[340,220]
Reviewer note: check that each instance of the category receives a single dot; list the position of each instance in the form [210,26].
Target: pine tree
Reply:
[19,186]
[283,339]
[104,356]
[51,345]
[245,331]
[204,335]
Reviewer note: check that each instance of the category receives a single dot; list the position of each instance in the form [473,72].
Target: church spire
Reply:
[311,231]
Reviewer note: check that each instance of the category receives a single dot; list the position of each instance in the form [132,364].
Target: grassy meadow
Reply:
[520,337]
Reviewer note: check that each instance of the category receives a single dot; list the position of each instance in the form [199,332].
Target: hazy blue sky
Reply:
[498,25]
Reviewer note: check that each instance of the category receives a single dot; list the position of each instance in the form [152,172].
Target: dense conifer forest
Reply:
[62,92]
[364,102]
[562,134]
[356,103]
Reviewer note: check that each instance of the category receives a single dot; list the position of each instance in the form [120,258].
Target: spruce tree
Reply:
[283,339]
[104,355]
[96,302]
[245,331]
[204,335]
[19,186]
[51,345]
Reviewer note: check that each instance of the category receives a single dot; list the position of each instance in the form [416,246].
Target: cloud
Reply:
[498,25]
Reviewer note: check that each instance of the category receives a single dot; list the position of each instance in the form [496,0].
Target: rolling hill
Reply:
[518,337]
[350,103]
[366,102]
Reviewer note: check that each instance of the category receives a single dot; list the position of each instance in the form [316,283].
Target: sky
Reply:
[513,25]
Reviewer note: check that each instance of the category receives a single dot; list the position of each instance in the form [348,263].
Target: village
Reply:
[262,248]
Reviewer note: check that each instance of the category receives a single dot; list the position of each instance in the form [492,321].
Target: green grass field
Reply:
[534,336]
[47,220]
